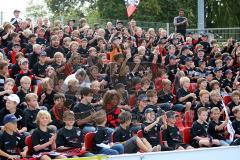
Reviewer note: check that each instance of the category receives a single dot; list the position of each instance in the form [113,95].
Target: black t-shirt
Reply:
[172,135]
[153,135]
[33,59]
[83,52]
[40,137]
[165,97]
[15,70]
[101,136]
[83,111]
[51,51]
[39,69]
[199,130]
[2,80]
[30,117]
[227,83]
[236,126]
[212,131]
[182,93]
[11,144]
[137,115]
[19,115]
[48,101]
[69,138]
[231,105]
[2,101]
[21,94]
[121,135]
[171,72]
[42,41]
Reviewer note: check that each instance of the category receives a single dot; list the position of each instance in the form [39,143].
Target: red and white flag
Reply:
[131,6]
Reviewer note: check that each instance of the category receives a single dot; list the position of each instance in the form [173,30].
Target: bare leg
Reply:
[142,146]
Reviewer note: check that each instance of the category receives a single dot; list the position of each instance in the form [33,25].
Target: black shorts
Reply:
[177,145]
[130,146]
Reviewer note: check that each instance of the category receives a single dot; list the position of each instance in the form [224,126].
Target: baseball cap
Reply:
[43,53]
[23,60]
[115,38]
[14,98]
[201,62]
[217,69]
[228,71]
[228,58]
[148,110]
[188,59]
[142,97]
[9,118]
[172,57]
[185,48]
[171,114]
[204,34]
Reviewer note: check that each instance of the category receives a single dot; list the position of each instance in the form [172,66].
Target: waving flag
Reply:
[230,129]
[131,6]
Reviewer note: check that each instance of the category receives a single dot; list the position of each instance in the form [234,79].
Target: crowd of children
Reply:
[132,88]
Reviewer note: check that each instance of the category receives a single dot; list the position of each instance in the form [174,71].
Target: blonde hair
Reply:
[236,109]
[35,46]
[72,82]
[72,43]
[43,113]
[45,81]
[202,92]
[29,96]
[140,48]
[58,54]
[25,79]
[184,80]
[215,109]
[10,80]
[214,93]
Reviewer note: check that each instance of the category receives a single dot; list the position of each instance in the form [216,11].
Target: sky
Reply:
[10,5]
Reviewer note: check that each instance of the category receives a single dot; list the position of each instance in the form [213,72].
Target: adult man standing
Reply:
[181,23]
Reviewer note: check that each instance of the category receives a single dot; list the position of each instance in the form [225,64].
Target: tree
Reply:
[70,8]
[36,10]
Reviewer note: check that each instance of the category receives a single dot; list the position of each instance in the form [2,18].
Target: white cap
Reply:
[14,98]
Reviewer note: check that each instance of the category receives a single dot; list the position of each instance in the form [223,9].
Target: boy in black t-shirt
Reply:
[44,139]
[39,68]
[84,111]
[70,137]
[152,126]
[216,127]
[183,95]
[172,136]
[10,141]
[123,135]
[199,135]
[101,140]
[31,111]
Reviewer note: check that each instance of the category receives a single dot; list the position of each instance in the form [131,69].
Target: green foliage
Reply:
[222,13]
[35,10]
[219,13]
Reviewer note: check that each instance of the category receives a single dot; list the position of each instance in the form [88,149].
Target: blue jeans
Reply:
[114,150]
[165,106]
[178,107]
